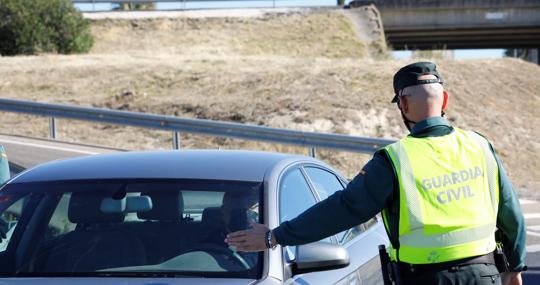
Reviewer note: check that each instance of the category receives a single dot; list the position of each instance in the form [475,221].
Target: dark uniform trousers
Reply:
[472,274]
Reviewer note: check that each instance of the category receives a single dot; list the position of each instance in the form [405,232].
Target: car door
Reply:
[360,241]
[295,196]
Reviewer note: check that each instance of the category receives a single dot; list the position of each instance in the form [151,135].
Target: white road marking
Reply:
[526,202]
[532,216]
[533,228]
[533,234]
[533,248]
[49,147]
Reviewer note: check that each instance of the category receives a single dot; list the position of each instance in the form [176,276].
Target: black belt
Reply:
[482,259]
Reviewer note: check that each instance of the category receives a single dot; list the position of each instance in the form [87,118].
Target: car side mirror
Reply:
[319,256]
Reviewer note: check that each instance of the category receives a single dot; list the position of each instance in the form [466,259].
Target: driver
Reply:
[235,214]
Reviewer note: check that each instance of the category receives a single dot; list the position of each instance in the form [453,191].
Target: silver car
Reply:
[161,218]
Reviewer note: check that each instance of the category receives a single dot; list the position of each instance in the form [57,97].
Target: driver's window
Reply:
[326,184]
[295,197]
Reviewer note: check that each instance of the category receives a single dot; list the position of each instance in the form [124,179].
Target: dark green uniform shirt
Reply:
[373,190]
[4,166]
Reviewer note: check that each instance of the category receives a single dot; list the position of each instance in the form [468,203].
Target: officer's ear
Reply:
[445,100]
[403,104]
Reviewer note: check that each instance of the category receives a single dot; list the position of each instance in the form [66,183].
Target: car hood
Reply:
[122,281]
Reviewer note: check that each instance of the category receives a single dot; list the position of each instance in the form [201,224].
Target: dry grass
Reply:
[304,34]
[302,71]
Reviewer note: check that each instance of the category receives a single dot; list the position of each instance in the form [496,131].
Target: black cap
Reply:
[408,76]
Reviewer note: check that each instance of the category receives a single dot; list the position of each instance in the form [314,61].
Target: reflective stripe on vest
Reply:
[448,197]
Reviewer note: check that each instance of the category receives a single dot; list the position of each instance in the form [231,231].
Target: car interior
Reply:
[139,231]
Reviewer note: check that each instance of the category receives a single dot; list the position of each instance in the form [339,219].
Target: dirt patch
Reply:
[303,71]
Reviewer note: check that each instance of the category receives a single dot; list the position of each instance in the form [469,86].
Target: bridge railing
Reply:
[310,140]
[207,4]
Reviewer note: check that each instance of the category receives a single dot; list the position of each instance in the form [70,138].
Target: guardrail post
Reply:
[312,152]
[52,128]
[176,140]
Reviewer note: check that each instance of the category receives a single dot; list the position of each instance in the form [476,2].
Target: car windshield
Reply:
[127,228]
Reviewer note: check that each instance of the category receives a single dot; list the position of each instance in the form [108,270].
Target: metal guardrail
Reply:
[309,140]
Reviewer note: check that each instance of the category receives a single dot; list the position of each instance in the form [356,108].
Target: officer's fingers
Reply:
[257,247]
[236,242]
[244,249]
[243,246]
[249,248]
[238,234]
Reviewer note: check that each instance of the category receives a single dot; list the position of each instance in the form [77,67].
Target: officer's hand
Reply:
[511,278]
[249,240]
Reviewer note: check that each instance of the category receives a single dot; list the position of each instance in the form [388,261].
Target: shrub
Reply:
[34,26]
[134,6]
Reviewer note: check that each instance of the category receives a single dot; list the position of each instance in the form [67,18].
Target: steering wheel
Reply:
[220,250]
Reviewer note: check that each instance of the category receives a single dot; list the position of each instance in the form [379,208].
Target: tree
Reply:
[34,26]
[517,52]
[134,6]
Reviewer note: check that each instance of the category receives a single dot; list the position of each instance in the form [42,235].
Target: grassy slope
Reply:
[302,71]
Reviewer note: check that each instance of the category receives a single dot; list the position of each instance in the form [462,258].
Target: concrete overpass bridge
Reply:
[459,24]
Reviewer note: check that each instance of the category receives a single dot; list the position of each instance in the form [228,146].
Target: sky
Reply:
[458,54]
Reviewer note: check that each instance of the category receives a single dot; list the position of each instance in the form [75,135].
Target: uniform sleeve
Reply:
[364,197]
[510,222]
[4,166]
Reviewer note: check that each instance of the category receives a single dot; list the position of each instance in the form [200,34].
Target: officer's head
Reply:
[419,93]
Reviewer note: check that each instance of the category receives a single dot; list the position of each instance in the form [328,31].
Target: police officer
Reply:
[4,166]
[442,191]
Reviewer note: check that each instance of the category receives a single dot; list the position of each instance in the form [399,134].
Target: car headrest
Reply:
[211,218]
[211,214]
[85,207]
[138,204]
[166,206]
[239,220]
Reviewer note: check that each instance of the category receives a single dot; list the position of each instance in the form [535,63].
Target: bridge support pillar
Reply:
[533,55]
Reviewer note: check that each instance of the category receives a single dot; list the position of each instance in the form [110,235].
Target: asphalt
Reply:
[24,152]
[532,276]
[531,211]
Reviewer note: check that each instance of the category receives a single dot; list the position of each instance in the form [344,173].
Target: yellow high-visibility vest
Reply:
[448,197]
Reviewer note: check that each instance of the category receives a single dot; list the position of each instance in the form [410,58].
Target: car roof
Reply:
[189,164]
